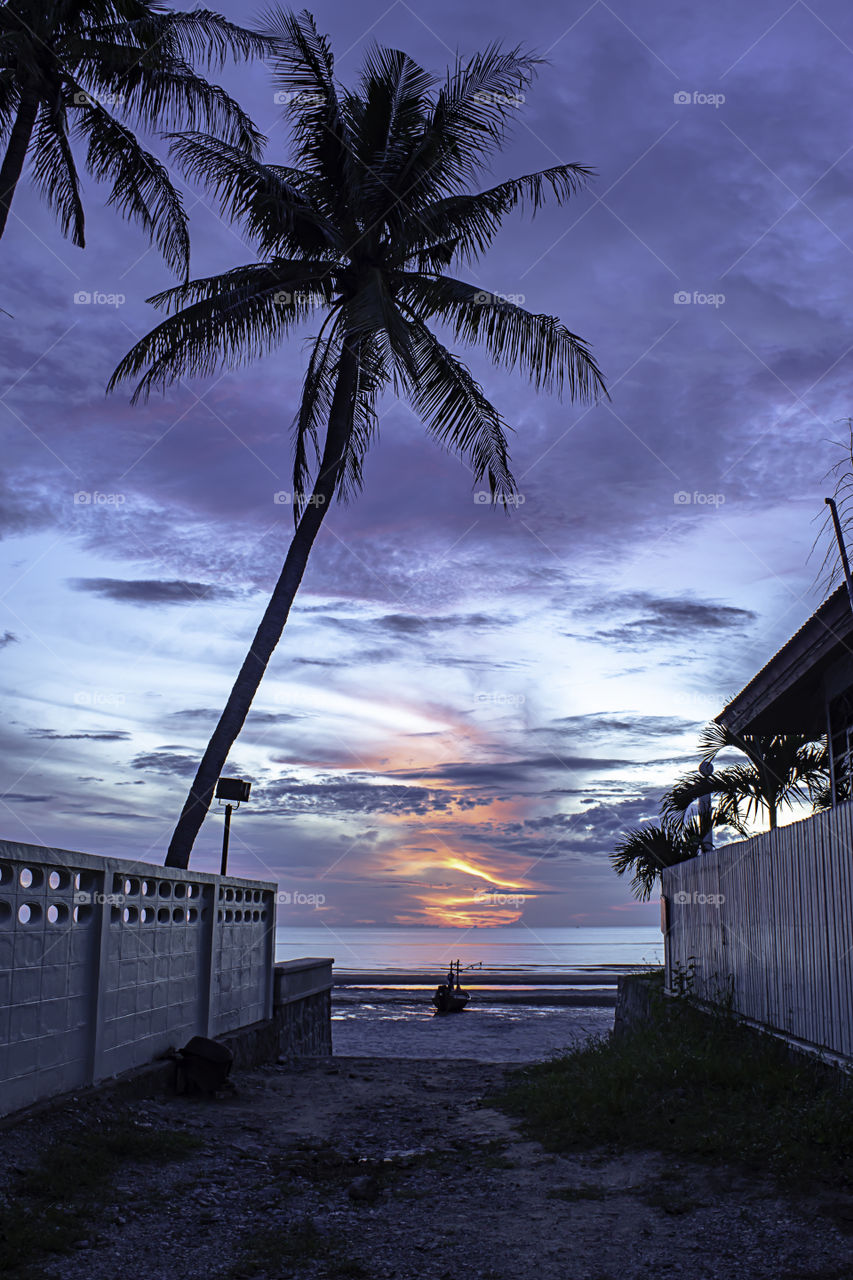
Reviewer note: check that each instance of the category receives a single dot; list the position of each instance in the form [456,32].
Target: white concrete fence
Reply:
[766,925]
[106,963]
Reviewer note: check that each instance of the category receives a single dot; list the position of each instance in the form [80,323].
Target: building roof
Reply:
[786,696]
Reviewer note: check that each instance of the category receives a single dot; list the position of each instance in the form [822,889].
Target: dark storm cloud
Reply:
[50,735]
[605,724]
[411,626]
[663,619]
[169,762]
[24,797]
[209,715]
[173,758]
[8,637]
[335,795]
[511,772]
[151,591]
[24,504]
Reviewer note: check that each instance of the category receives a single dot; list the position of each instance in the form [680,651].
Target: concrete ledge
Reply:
[296,979]
[639,997]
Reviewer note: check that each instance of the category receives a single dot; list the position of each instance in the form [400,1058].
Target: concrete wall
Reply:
[106,963]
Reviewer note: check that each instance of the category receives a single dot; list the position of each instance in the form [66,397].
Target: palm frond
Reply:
[165,95]
[304,71]
[55,174]
[195,36]
[468,123]
[541,346]
[272,203]
[457,413]
[226,320]
[140,185]
[471,221]
[648,850]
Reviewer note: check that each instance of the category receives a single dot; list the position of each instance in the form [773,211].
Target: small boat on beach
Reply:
[449,996]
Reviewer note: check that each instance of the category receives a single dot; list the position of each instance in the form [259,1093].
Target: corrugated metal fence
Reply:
[767,923]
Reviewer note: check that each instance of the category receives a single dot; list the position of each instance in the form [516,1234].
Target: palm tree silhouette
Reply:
[780,770]
[76,71]
[376,207]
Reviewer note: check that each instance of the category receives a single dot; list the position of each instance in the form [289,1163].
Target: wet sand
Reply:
[403,1024]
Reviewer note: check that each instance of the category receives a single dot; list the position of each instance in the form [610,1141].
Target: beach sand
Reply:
[384,1024]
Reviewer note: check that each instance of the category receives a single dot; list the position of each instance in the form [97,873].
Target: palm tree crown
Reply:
[83,71]
[360,229]
[780,771]
[363,226]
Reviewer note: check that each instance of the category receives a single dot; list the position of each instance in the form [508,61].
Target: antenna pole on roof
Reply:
[839,537]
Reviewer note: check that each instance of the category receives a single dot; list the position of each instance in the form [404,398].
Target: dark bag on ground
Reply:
[204,1065]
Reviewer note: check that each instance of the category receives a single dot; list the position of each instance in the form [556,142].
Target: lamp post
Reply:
[234,790]
[706,769]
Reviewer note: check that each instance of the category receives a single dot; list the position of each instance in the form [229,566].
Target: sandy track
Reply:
[459,1193]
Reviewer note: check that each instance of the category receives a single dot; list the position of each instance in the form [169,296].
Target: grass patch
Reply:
[291,1246]
[54,1204]
[692,1085]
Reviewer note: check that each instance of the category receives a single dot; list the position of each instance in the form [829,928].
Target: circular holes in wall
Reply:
[164,915]
[58,913]
[81,914]
[6,913]
[180,890]
[59,880]
[29,913]
[30,879]
[165,889]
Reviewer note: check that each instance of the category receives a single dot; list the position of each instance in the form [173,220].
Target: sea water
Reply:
[512,947]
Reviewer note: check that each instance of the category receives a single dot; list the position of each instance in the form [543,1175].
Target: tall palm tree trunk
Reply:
[16,153]
[269,632]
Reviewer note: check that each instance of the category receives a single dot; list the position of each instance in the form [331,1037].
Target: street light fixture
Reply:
[235,791]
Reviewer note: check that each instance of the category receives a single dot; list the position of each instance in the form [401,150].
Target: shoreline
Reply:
[523,976]
[483,999]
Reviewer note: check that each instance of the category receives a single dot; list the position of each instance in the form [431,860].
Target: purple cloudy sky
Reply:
[461,700]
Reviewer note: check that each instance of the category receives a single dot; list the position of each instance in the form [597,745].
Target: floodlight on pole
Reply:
[235,791]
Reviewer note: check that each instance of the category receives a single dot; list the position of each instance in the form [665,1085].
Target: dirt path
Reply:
[450,1189]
